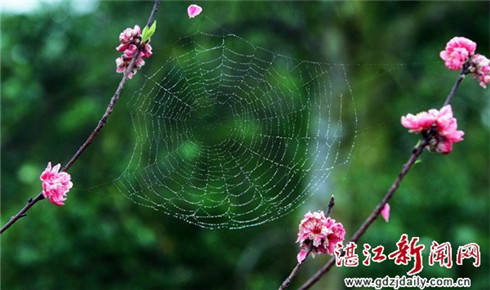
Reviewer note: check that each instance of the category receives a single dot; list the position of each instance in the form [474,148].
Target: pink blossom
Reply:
[55,184]
[447,129]
[146,51]
[194,10]
[419,122]
[313,227]
[130,40]
[438,125]
[318,233]
[128,53]
[139,63]
[457,52]
[128,34]
[131,47]
[385,212]
[480,67]
[122,47]
[120,65]
[336,236]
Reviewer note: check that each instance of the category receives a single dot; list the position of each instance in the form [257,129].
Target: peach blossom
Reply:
[318,233]
[440,123]
[55,184]
[457,52]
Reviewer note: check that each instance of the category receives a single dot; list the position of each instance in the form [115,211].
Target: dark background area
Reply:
[58,74]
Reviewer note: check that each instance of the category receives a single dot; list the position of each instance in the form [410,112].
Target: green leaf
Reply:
[148,32]
[153,28]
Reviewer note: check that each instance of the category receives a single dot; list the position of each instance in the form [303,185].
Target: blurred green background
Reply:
[58,73]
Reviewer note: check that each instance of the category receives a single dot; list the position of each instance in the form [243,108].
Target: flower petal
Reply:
[194,10]
[301,255]
[385,212]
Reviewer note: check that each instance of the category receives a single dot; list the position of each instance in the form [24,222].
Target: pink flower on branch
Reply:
[55,184]
[458,51]
[129,34]
[439,126]
[130,39]
[318,234]
[480,67]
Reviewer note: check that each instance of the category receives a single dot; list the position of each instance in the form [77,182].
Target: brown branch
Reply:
[331,203]
[462,74]
[22,212]
[153,12]
[454,88]
[100,125]
[288,280]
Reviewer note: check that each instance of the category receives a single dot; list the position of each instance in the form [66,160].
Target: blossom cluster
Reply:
[318,234]
[438,125]
[55,184]
[480,68]
[460,51]
[130,39]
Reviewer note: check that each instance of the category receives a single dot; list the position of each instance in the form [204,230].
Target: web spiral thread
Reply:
[231,135]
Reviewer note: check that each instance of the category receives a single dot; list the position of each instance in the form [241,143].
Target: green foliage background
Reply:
[58,73]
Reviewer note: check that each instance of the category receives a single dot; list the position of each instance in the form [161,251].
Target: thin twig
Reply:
[288,280]
[331,203]
[22,212]
[152,14]
[455,87]
[100,125]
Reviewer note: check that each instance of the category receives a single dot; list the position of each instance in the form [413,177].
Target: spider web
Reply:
[231,135]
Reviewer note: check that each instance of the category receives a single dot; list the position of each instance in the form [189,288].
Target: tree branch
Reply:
[413,157]
[406,167]
[288,280]
[100,125]
[331,203]
[153,12]
[455,86]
